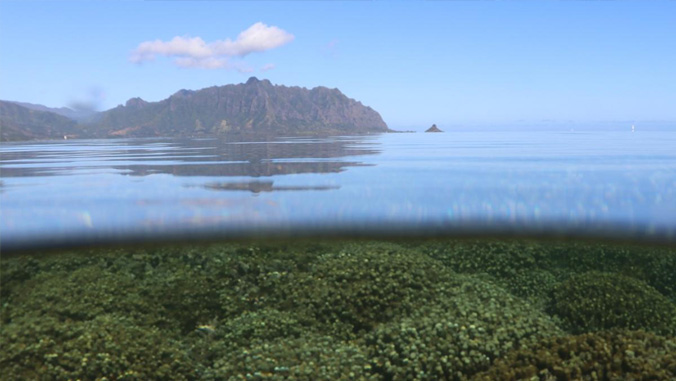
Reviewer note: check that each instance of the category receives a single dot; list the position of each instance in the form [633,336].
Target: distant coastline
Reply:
[251,108]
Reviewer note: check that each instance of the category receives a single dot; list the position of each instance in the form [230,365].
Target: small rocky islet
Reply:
[434,128]
[381,310]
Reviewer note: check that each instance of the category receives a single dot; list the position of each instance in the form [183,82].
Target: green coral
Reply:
[214,341]
[461,333]
[521,267]
[501,259]
[616,355]
[654,265]
[309,357]
[597,301]
[110,345]
[361,286]
[81,294]
[317,310]
[259,326]
[531,269]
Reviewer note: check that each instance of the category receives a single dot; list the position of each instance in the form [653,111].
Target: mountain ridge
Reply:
[254,107]
[21,123]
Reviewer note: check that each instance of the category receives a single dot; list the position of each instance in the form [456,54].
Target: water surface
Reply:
[602,182]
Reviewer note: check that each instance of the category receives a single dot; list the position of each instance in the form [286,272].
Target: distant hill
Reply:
[75,114]
[253,107]
[21,123]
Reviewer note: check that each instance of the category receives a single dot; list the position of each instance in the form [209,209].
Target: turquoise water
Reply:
[603,182]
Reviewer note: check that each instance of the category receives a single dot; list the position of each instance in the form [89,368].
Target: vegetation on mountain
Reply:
[80,113]
[21,123]
[254,107]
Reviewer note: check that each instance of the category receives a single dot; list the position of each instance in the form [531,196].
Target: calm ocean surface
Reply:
[609,182]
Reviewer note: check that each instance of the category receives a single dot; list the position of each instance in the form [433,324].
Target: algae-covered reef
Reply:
[447,309]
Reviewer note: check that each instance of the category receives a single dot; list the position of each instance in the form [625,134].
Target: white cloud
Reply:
[267,67]
[178,46]
[258,38]
[194,52]
[203,63]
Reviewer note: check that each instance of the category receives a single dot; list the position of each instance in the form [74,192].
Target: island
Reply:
[434,128]
[254,107]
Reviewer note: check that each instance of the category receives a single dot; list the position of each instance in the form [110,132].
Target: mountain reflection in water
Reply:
[262,156]
[79,191]
[262,186]
[599,183]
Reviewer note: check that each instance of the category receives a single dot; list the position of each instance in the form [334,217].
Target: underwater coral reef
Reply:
[456,309]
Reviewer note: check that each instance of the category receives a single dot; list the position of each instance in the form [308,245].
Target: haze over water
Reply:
[605,182]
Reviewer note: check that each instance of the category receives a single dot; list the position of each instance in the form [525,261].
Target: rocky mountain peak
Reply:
[183,93]
[254,107]
[253,81]
[135,103]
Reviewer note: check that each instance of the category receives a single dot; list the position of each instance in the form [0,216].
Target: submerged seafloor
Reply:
[443,309]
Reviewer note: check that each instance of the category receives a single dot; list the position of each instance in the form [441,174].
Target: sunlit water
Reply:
[532,181]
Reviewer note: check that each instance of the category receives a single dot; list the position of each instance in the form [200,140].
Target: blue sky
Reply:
[417,63]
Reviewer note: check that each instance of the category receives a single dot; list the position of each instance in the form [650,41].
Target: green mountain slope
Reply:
[253,107]
[20,123]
